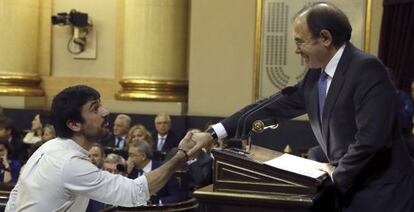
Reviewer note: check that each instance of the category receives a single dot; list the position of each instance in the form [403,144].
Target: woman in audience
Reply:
[34,135]
[48,133]
[138,133]
[9,169]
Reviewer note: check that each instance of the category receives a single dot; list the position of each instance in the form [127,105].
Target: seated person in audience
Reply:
[97,156]
[164,138]
[122,124]
[140,162]
[9,169]
[18,149]
[138,133]
[34,135]
[49,133]
[115,164]
[200,169]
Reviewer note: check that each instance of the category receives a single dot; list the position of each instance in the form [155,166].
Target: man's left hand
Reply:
[328,168]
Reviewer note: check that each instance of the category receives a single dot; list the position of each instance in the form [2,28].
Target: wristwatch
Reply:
[212,133]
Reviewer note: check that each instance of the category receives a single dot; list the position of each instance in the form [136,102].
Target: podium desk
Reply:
[244,182]
[218,201]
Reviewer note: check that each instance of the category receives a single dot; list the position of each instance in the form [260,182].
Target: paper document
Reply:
[297,165]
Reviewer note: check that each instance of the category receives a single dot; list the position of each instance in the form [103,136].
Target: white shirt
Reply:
[329,69]
[161,141]
[120,142]
[59,176]
[147,167]
[331,66]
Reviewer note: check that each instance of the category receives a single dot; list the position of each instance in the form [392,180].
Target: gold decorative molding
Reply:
[368,20]
[257,48]
[20,86]
[153,90]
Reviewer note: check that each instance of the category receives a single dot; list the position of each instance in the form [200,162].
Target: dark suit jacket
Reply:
[170,193]
[358,132]
[200,172]
[172,141]
[18,150]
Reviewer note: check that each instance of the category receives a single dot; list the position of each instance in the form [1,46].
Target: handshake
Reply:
[192,143]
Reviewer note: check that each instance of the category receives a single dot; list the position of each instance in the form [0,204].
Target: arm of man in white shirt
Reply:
[81,176]
[11,204]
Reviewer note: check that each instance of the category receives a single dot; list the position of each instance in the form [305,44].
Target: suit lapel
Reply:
[336,86]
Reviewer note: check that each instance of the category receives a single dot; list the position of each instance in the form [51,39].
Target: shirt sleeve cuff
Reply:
[220,130]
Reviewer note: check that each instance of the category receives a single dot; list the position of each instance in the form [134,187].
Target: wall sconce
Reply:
[81,26]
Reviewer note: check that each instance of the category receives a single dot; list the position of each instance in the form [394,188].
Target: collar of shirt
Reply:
[164,137]
[147,167]
[333,63]
[73,144]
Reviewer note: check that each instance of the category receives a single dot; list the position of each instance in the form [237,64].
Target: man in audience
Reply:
[59,175]
[122,124]
[97,155]
[18,149]
[140,162]
[164,139]
[115,164]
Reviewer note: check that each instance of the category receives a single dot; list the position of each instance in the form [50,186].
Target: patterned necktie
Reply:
[323,83]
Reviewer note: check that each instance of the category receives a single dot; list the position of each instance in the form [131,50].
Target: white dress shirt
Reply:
[59,176]
[329,69]
[161,141]
[148,167]
[331,66]
[120,142]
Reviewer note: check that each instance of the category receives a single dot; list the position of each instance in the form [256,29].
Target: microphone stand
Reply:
[240,137]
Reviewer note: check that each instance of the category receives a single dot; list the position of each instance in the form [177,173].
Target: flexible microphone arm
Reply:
[242,117]
[274,98]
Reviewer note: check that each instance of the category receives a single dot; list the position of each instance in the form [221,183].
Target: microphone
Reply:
[272,99]
[259,126]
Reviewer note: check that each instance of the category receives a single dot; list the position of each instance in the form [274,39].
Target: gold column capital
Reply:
[15,85]
[153,90]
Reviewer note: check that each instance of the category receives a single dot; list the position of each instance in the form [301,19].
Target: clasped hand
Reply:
[192,143]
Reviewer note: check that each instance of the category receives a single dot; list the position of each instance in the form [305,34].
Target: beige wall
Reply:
[101,73]
[220,62]
[376,18]
[221,56]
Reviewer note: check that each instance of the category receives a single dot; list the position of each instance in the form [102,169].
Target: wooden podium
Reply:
[243,182]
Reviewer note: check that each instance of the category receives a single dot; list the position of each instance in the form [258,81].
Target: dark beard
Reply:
[95,137]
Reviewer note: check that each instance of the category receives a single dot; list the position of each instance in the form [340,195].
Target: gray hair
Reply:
[115,159]
[125,117]
[143,147]
[163,115]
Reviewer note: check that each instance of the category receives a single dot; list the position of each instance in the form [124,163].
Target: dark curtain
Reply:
[396,47]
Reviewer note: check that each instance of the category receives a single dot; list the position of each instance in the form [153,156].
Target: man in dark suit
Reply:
[122,124]
[140,162]
[8,133]
[164,139]
[351,105]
